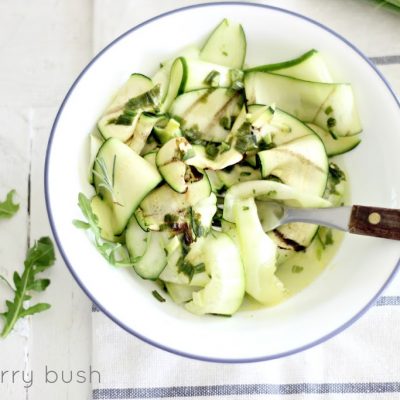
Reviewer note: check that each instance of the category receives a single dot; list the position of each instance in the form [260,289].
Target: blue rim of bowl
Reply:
[82,285]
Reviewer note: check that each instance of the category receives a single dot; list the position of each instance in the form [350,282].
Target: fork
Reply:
[361,220]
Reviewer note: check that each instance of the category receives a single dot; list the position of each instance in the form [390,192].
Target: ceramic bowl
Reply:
[347,287]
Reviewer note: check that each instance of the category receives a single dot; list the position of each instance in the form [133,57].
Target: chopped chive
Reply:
[263,145]
[199,268]
[328,110]
[328,238]
[158,296]
[333,135]
[272,193]
[113,170]
[226,122]
[124,119]
[150,98]
[246,143]
[296,269]
[336,174]
[245,173]
[331,122]
[212,150]
[225,53]
[212,78]
[245,208]
[131,113]
[170,218]
[221,315]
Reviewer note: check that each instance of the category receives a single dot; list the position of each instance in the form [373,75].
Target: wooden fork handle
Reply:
[374,221]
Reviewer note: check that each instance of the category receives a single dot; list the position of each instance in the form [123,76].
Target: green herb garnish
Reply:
[226,122]
[296,269]
[8,208]
[212,150]
[149,99]
[106,180]
[126,118]
[328,238]
[171,218]
[188,269]
[331,122]
[245,208]
[193,134]
[245,139]
[246,143]
[336,174]
[223,147]
[212,78]
[325,237]
[39,258]
[114,253]
[245,173]
[328,110]
[195,222]
[263,145]
[221,315]
[158,296]
[199,268]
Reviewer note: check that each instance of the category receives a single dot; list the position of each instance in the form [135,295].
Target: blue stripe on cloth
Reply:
[388,301]
[246,389]
[382,301]
[386,60]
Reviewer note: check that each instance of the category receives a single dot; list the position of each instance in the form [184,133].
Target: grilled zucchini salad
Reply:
[184,165]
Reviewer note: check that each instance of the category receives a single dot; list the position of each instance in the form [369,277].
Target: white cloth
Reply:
[360,363]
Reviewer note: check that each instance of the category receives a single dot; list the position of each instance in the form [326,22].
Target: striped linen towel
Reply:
[360,363]
[363,362]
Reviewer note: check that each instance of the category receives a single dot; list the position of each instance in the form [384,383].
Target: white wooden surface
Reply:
[43,46]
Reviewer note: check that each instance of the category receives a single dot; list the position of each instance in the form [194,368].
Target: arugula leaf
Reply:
[39,258]
[115,253]
[7,207]
[92,220]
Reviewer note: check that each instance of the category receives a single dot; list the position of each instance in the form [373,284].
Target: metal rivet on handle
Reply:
[374,218]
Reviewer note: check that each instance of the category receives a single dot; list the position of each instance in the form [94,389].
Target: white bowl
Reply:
[348,286]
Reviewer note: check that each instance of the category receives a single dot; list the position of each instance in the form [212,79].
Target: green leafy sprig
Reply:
[8,208]
[39,258]
[106,181]
[114,253]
